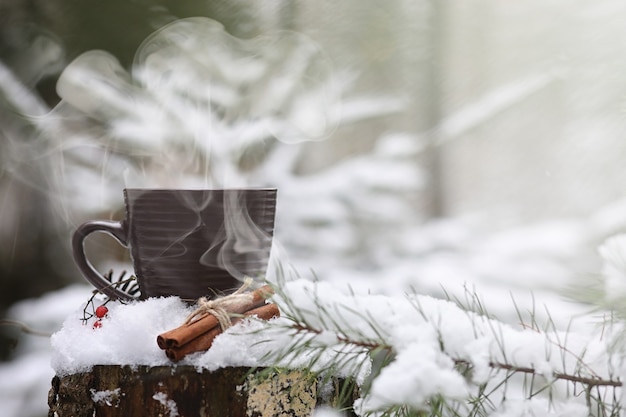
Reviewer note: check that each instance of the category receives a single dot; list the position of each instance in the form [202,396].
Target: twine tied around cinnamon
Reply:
[219,306]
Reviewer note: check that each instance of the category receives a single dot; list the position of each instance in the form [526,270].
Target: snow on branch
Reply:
[437,350]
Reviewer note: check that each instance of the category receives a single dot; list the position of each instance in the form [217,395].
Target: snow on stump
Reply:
[185,391]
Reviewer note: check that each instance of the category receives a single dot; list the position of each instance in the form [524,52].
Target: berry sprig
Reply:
[90,311]
[101,311]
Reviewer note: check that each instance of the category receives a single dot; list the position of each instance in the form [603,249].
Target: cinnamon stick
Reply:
[205,340]
[236,304]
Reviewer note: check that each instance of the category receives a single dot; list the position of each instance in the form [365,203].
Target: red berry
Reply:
[97,324]
[101,311]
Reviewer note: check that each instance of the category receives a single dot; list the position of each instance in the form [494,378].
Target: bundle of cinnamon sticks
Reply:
[200,330]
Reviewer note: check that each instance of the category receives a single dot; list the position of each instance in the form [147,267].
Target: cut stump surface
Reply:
[184,391]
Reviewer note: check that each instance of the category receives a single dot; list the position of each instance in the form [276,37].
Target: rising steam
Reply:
[196,102]
[198,109]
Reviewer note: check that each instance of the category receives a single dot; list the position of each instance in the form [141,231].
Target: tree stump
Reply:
[184,391]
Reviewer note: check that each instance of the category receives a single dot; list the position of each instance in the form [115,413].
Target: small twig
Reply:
[24,328]
[367,345]
[590,381]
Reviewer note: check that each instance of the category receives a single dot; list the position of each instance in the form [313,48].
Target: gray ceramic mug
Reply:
[188,243]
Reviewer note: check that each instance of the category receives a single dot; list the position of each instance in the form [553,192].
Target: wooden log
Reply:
[183,391]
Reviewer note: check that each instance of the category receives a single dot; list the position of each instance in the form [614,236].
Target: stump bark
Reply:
[184,391]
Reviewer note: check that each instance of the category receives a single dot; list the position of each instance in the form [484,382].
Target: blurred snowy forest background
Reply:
[418,145]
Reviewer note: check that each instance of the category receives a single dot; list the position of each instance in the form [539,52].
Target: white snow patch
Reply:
[171,406]
[106,397]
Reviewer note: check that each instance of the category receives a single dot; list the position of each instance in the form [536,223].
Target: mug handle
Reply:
[115,229]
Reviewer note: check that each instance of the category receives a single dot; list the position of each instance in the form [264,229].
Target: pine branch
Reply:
[323,325]
[372,345]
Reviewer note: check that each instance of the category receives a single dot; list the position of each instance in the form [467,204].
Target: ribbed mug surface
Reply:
[193,243]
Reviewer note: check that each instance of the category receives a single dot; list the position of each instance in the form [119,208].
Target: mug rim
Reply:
[204,189]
